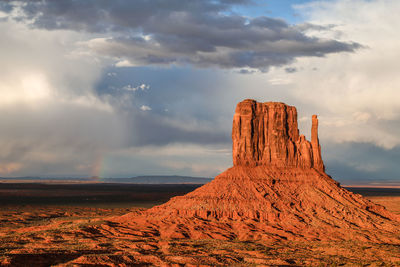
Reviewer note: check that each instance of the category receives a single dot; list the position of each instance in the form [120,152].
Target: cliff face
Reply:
[267,134]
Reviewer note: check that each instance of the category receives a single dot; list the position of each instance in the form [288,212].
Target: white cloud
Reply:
[279,81]
[142,87]
[129,88]
[362,117]
[145,108]
[124,63]
[29,88]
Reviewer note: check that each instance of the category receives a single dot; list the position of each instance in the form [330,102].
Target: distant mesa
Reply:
[277,189]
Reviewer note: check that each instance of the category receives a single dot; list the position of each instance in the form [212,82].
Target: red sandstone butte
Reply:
[267,134]
[277,189]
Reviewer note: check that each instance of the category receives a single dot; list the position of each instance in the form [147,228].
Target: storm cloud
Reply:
[202,33]
[366,163]
[124,88]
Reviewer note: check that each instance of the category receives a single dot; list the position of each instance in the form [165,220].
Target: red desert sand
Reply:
[276,206]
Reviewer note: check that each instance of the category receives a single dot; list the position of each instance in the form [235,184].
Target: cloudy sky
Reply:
[125,88]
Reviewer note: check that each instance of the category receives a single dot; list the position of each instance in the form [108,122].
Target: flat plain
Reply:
[72,225]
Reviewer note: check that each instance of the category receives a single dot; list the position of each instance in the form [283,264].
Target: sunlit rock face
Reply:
[267,134]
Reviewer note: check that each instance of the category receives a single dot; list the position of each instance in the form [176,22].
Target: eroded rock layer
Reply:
[277,189]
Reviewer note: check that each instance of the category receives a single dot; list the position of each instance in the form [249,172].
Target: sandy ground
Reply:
[391,203]
[79,236]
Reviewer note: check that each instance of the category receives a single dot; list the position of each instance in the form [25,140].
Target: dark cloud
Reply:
[104,15]
[353,162]
[152,129]
[203,33]
[315,27]
[246,71]
[290,70]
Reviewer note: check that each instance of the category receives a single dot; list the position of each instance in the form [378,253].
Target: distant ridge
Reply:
[173,179]
[156,179]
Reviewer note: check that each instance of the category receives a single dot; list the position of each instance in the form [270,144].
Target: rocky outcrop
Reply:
[267,134]
[316,148]
[277,189]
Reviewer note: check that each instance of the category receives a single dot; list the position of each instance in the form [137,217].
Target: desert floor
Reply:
[46,234]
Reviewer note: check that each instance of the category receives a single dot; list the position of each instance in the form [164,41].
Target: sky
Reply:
[125,88]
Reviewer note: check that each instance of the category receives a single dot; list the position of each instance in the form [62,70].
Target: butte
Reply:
[277,189]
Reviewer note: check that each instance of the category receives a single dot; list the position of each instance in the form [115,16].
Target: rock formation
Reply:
[277,189]
[267,134]
[316,148]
